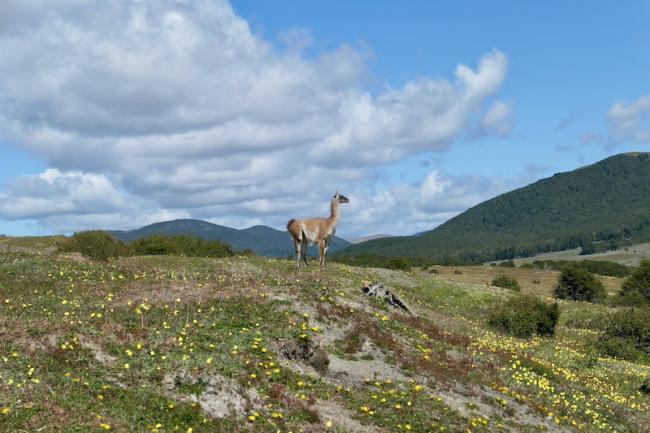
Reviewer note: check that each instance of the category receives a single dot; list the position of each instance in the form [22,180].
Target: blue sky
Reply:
[254,112]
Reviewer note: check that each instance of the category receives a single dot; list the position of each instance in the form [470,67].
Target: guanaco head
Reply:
[340,198]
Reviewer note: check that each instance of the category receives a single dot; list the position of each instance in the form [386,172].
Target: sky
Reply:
[115,115]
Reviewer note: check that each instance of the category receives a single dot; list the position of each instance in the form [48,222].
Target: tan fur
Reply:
[309,231]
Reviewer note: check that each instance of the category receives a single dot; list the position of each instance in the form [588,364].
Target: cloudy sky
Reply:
[123,113]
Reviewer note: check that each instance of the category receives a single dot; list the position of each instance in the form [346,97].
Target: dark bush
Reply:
[629,299]
[95,244]
[181,245]
[458,272]
[399,263]
[508,264]
[589,248]
[638,282]
[600,267]
[506,282]
[524,316]
[645,386]
[578,284]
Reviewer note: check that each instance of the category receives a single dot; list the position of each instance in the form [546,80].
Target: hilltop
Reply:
[181,344]
[596,207]
[263,240]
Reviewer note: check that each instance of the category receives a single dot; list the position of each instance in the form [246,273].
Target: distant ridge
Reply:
[263,240]
[595,207]
[368,238]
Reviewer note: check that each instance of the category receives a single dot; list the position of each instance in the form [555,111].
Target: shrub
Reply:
[618,347]
[626,334]
[506,282]
[399,263]
[638,282]
[181,245]
[95,244]
[632,325]
[508,264]
[578,284]
[524,316]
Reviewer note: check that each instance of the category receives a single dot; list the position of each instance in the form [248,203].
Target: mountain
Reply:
[368,238]
[263,240]
[595,207]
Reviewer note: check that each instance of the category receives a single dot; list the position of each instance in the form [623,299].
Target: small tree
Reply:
[638,282]
[506,282]
[399,263]
[578,284]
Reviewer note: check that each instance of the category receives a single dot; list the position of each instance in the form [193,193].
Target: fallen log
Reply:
[380,291]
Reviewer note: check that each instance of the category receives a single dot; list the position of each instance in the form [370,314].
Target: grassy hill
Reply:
[263,240]
[595,207]
[179,344]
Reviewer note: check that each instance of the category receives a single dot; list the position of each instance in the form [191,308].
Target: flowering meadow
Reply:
[178,344]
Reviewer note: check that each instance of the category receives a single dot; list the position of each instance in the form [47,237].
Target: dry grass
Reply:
[534,281]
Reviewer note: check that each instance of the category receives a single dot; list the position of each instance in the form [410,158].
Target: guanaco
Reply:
[309,231]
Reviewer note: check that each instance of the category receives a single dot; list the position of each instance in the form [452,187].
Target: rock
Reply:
[319,360]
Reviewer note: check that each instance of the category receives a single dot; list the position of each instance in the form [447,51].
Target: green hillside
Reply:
[169,344]
[263,240]
[595,207]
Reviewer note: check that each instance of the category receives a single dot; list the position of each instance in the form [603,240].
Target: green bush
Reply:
[578,284]
[95,244]
[638,282]
[506,282]
[399,263]
[524,316]
[618,347]
[627,334]
[181,245]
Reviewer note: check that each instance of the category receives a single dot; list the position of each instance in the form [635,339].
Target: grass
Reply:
[108,346]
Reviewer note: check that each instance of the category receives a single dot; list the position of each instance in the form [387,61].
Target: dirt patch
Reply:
[97,351]
[468,401]
[217,395]
[354,372]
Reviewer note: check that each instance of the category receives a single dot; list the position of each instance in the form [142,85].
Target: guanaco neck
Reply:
[334,213]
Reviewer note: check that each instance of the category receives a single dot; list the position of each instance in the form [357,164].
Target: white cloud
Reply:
[178,107]
[630,120]
[498,119]
[74,200]
[406,208]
